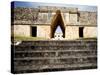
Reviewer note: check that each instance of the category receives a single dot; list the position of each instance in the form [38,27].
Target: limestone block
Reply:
[43,31]
[71,32]
[22,30]
[88,17]
[90,32]
[67,17]
[43,17]
[73,18]
[52,15]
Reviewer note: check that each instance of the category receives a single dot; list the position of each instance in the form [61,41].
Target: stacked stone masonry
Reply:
[41,56]
[43,16]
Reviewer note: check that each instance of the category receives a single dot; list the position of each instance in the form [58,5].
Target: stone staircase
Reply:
[42,56]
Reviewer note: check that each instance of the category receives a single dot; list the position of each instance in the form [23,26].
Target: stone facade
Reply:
[90,30]
[59,51]
[43,31]
[44,17]
[21,30]
[71,32]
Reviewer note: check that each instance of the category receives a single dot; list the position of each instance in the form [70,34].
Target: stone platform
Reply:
[44,56]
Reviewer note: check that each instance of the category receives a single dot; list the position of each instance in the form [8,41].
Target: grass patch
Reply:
[92,38]
[25,38]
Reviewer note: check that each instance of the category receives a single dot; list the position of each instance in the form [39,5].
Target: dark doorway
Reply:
[57,21]
[34,31]
[80,31]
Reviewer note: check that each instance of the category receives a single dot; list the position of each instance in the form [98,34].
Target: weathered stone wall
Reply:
[55,8]
[43,31]
[43,17]
[71,32]
[90,32]
[21,30]
[25,30]
[88,18]
[73,18]
[66,18]
[70,18]
[41,56]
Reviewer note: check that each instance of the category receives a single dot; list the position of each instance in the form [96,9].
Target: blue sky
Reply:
[58,30]
[36,4]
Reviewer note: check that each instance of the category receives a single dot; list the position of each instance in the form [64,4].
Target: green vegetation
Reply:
[92,38]
[24,38]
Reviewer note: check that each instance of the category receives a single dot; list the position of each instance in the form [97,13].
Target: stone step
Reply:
[27,48]
[63,57]
[54,67]
[58,43]
[32,51]
[53,54]
[38,56]
[25,62]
